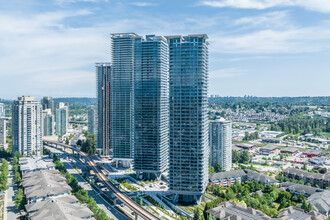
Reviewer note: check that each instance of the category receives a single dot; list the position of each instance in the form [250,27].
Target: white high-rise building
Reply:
[48,122]
[3,133]
[27,126]
[2,110]
[221,143]
[62,118]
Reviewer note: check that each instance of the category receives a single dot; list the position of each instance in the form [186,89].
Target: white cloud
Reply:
[226,73]
[277,19]
[67,2]
[143,4]
[287,40]
[315,5]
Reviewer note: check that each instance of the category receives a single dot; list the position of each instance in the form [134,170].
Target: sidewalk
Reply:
[10,211]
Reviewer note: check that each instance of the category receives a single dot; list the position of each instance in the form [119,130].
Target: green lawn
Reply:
[326,134]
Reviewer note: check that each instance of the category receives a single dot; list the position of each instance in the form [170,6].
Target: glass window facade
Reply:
[103,74]
[27,126]
[221,144]
[151,92]
[62,118]
[189,148]
[122,95]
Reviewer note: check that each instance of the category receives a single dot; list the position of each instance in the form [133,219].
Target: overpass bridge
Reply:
[102,175]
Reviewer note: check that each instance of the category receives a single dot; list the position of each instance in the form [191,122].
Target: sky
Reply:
[257,47]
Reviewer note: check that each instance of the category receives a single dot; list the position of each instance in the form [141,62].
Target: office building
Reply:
[122,97]
[151,103]
[48,103]
[103,73]
[220,143]
[3,133]
[62,118]
[27,126]
[189,132]
[2,110]
[91,120]
[48,122]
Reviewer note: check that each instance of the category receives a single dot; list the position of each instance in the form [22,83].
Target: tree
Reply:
[218,168]
[198,215]
[19,199]
[245,158]
[229,194]
[79,142]
[304,205]
[309,207]
[89,146]
[301,198]
[210,217]
[17,178]
[305,166]
[211,169]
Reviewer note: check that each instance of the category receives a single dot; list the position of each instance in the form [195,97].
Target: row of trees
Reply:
[4,175]
[270,202]
[88,146]
[80,193]
[216,169]
[302,125]
[240,157]
[20,199]
[250,137]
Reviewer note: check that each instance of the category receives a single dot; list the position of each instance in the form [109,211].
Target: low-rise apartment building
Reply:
[41,185]
[228,178]
[64,208]
[33,164]
[230,210]
[319,198]
[321,180]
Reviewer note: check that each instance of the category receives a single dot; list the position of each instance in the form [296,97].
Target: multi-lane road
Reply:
[102,175]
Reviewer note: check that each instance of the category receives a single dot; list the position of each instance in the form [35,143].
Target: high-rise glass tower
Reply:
[48,103]
[122,96]
[221,143]
[151,104]
[27,126]
[62,118]
[189,147]
[48,122]
[103,73]
[91,120]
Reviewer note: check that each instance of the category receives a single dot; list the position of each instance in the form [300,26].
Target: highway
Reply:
[101,174]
